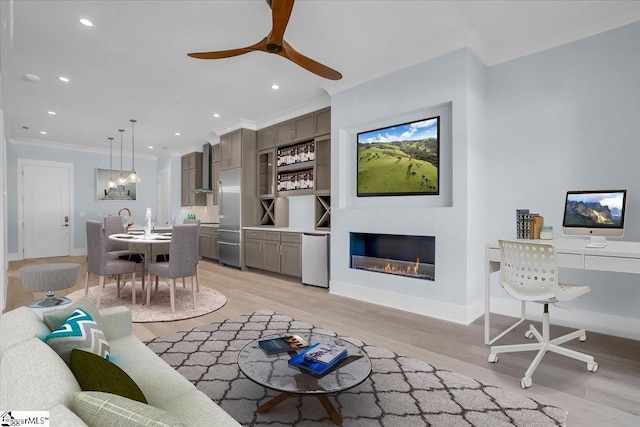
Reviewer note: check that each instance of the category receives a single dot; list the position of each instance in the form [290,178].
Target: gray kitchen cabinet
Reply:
[297,129]
[215,185]
[191,178]
[323,121]
[278,252]
[231,150]
[266,138]
[209,242]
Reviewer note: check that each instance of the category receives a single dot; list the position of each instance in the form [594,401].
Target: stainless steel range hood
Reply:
[206,170]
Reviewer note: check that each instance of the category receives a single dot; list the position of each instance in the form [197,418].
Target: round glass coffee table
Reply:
[274,372]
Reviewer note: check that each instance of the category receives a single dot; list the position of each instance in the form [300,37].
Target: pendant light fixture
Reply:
[133,177]
[111,183]
[121,179]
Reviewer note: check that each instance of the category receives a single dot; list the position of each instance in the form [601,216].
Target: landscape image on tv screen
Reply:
[596,209]
[399,160]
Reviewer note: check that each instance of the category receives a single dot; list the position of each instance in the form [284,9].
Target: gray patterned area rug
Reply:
[400,391]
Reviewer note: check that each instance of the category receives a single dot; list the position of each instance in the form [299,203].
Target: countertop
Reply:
[288,230]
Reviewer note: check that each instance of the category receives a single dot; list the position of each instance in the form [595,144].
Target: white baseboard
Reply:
[608,324]
[425,307]
[15,256]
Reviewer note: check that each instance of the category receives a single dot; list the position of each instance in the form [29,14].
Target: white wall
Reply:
[522,134]
[440,86]
[568,119]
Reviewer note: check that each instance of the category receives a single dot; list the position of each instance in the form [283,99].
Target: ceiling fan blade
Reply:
[308,63]
[280,14]
[261,45]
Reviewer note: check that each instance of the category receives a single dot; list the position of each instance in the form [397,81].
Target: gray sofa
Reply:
[34,377]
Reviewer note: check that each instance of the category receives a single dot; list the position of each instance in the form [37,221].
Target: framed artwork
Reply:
[120,192]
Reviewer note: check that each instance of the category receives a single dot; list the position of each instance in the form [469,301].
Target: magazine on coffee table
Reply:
[283,344]
[317,369]
[325,353]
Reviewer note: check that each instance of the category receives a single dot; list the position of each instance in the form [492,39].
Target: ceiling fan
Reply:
[274,43]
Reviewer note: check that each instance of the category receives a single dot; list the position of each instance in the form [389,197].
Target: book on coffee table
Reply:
[283,344]
[325,353]
[316,369]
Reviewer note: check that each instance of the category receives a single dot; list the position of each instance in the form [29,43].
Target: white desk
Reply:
[617,256]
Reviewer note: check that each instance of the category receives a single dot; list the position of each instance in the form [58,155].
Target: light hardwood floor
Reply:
[610,397]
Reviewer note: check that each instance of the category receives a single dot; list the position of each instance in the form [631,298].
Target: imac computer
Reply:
[596,214]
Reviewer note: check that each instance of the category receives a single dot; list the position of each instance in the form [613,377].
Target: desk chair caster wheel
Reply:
[592,367]
[528,335]
[583,338]
[493,358]
[525,383]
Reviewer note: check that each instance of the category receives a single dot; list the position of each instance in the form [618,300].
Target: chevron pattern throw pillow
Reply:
[79,331]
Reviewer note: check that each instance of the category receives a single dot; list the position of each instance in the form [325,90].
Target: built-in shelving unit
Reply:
[323,211]
[267,211]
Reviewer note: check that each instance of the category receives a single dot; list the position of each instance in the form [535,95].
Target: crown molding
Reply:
[82,148]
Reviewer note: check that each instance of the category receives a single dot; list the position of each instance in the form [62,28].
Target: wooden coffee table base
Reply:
[326,404]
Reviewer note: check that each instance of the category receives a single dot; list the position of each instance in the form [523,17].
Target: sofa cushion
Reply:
[34,378]
[195,406]
[60,415]
[109,410]
[158,381]
[79,331]
[18,326]
[54,319]
[97,374]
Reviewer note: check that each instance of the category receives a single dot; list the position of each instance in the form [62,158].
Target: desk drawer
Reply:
[569,260]
[609,263]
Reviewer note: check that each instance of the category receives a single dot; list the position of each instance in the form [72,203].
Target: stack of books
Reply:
[319,359]
[528,224]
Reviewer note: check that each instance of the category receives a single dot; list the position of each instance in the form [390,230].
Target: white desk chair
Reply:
[529,272]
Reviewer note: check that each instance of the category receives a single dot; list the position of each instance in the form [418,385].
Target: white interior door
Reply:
[46,209]
[164,208]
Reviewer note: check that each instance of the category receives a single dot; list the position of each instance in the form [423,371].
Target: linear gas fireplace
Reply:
[400,255]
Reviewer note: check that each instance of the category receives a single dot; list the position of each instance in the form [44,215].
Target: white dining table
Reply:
[135,238]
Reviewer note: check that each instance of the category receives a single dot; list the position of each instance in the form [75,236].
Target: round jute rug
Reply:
[207,301]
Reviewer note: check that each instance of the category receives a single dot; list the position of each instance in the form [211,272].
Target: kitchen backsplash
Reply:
[206,213]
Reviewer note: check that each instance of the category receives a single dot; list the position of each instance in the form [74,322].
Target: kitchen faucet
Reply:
[124,209]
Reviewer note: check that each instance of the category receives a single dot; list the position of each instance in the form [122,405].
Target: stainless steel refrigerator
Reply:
[229,205]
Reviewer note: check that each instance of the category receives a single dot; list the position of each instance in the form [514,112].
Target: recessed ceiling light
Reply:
[86,22]
[216,115]
[275,87]
[43,132]
[151,147]
[177,134]
[53,113]
[63,79]
[32,77]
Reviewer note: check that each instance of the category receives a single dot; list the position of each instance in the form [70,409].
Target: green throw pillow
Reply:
[55,318]
[109,410]
[97,374]
[79,331]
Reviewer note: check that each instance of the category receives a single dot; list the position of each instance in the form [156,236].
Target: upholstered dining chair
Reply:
[197,222]
[529,272]
[183,257]
[101,263]
[113,225]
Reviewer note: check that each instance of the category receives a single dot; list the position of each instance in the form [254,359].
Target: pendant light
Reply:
[111,183]
[133,177]
[121,179]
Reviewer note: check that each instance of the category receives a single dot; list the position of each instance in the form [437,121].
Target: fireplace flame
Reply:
[409,270]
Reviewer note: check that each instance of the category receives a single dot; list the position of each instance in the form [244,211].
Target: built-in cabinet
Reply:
[209,242]
[231,150]
[275,251]
[191,178]
[215,173]
[294,159]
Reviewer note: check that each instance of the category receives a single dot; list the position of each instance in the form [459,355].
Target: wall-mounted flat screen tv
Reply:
[400,160]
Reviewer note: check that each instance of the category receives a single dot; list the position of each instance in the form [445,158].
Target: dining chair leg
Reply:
[197,279]
[133,288]
[183,283]
[86,283]
[172,295]
[149,289]
[117,285]
[193,291]
[100,286]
